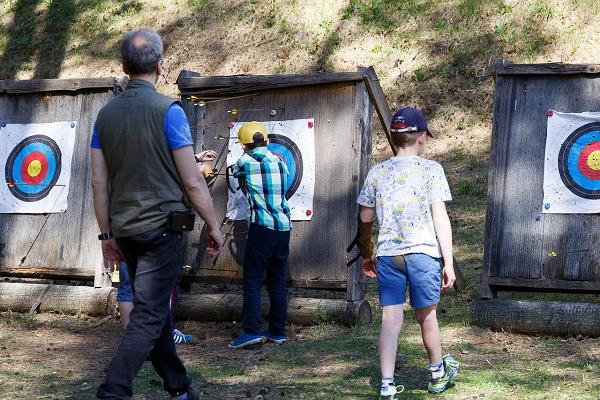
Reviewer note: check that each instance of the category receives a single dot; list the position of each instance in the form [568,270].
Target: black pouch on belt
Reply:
[181,221]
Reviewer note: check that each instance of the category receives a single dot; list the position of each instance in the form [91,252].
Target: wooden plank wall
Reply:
[63,244]
[519,238]
[318,247]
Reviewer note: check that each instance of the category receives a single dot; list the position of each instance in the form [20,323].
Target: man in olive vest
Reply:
[144,178]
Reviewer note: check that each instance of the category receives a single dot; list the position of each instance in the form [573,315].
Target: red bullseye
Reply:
[34,168]
[583,161]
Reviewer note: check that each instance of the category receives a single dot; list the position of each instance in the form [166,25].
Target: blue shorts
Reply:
[124,292]
[423,274]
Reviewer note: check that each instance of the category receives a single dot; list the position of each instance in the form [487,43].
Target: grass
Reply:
[324,361]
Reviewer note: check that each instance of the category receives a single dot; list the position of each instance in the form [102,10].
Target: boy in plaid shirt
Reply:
[264,178]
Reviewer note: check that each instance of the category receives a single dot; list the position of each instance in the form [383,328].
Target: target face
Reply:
[293,141]
[579,161]
[289,153]
[33,167]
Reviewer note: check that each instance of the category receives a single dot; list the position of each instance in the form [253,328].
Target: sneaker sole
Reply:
[246,344]
[277,341]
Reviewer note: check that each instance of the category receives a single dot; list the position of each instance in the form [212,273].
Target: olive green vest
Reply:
[144,183]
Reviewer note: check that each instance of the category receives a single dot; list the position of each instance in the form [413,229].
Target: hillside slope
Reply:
[433,54]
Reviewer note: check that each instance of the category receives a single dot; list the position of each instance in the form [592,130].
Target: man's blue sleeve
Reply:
[95,139]
[177,128]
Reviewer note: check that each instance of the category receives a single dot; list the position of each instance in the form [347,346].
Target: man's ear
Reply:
[159,68]
[422,139]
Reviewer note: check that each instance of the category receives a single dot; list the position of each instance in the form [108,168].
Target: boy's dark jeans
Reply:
[267,254]
[154,260]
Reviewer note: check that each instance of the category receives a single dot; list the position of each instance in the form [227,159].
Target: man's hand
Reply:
[368,266]
[214,240]
[111,253]
[206,155]
[448,277]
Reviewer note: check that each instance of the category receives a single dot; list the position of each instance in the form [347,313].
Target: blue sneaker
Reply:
[180,337]
[279,339]
[245,340]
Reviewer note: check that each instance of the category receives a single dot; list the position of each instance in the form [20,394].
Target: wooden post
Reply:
[21,297]
[534,317]
[301,310]
[381,105]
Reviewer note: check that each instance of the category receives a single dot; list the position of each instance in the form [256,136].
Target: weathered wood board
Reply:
[63,244]
[520,241]
[342,113]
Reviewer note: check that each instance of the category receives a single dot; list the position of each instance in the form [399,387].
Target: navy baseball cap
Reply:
[409,120]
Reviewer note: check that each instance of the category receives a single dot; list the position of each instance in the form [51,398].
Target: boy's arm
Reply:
[365,244]
[443,230]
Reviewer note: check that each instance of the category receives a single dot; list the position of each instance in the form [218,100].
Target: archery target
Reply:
[36,162]
[572,165]
[33,167]
[293,142]
[579,161]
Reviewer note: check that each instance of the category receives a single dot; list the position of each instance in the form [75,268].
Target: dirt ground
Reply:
[54,356]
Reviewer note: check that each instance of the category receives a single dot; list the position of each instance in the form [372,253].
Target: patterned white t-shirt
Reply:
[402,190]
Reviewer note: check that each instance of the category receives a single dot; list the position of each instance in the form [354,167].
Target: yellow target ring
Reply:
[35,167]
[593,160]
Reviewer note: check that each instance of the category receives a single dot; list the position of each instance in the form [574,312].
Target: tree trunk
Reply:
[301,310]
[67,299]
[532,317]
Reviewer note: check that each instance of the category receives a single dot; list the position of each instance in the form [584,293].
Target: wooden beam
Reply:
[301,310]
[218,86]
[503,68]
[58,85]
[292,283]
[68,299]
[536,317]
[47,273]
[381,105]
[554,285]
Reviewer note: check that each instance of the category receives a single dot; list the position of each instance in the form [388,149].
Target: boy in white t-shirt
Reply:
[407,194]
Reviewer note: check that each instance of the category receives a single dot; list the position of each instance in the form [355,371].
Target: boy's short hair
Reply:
[405,139]
[257,141]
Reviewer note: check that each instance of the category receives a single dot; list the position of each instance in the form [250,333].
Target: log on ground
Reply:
[301,310]
[538,317]
[20,297]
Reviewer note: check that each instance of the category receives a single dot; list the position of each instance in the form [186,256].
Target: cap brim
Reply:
[429,133]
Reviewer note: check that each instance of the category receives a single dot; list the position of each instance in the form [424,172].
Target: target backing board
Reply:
[572,163]
[35,163]
[294,142]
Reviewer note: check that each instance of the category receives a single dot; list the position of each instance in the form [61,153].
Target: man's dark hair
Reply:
[257,141]
[141,51]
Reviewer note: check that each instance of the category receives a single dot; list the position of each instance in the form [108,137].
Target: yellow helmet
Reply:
[249,129]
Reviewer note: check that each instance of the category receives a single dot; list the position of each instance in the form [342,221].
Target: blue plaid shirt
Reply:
[264,177]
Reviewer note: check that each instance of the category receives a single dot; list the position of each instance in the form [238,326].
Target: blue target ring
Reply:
[33,167]
[572,168]
[286,149]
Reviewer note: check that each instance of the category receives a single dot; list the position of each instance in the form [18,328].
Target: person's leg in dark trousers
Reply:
[277,284]
[155,257]
[259,249]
